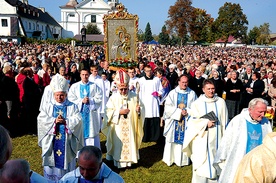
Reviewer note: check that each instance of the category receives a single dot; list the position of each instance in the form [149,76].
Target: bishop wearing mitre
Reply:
[123,124]
[60,133]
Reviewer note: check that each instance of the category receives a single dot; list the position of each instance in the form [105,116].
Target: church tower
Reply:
[112,3]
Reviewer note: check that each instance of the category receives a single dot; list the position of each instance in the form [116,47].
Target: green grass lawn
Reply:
[149,169]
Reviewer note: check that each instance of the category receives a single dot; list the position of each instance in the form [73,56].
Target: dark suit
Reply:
[196,85]
[172,77]
[247,78]
[108,74]
[219,86]
[142,74]
[258,88]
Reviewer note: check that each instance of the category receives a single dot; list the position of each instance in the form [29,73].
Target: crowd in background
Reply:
[239,74]
[27,69]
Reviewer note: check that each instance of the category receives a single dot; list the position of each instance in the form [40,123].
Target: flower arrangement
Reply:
[269,113]
[122,63]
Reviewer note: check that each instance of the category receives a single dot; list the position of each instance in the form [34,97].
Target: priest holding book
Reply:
[204,132]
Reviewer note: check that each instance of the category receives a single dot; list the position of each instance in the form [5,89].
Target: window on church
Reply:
[30,26]
[4,22]
[33,26]
[71,15]
[93,19]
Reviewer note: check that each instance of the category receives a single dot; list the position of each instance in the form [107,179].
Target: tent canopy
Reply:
[151,42]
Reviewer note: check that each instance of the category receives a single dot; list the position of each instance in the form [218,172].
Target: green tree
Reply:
[253,34]
[164,37]
[141,37]
[200,25]
[173,41]
[148,34]
[180,17]
[231,21]
[92,29]
[264,37]
[211,34]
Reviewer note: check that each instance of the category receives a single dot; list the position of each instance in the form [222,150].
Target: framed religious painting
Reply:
[120,41]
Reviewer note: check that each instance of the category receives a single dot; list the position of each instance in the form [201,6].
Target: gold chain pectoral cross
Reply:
[181,121]
[58,134]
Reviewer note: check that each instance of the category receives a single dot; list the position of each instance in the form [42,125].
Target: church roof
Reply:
[33,13]
[230,40]
[39,16]
[74,4]
[70,4]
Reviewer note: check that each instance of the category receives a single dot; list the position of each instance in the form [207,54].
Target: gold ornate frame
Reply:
[120,41]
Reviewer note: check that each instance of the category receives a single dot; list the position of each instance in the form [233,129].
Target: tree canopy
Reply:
[148,34]
[200,25]
[231,21]
[92,29]
[194,24]
[180,17]
[264,37]
[164,37]
[253,34]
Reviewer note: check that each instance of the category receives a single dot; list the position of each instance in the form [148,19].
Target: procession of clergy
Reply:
[197,129]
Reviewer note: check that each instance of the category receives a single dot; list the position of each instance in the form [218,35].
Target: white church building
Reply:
[75,14]
[20,19]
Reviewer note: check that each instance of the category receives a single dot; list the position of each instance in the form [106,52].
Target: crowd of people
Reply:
[204,105]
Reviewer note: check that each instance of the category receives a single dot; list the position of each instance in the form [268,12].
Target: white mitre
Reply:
[59,84]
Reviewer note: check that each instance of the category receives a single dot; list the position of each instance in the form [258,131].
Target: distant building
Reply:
[19,19]
[232,41]
[272,37]
[74,15]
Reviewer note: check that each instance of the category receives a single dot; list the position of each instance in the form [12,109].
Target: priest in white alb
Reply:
[60,132]
[176,113]
[88,97]
[123,124]
[95,78]
[245,132]
[204,132]
[150,91]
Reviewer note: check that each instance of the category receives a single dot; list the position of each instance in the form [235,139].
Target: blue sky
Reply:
[156,11]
